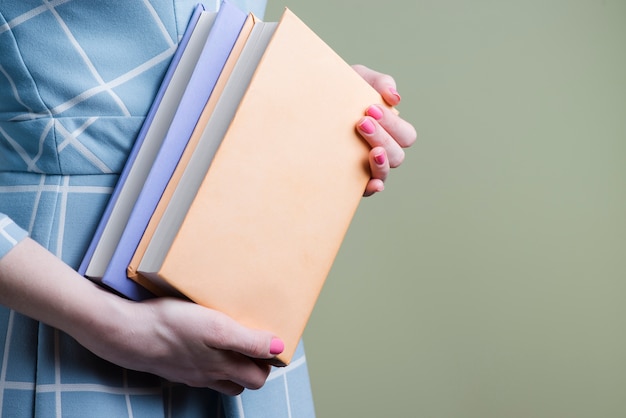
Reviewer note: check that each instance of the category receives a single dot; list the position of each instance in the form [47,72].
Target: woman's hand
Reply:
[386,132]
[186,343]
[172,338]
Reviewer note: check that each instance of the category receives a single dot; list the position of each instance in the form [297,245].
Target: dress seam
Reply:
[26,69]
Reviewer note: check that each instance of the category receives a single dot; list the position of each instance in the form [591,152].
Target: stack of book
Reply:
[244,178]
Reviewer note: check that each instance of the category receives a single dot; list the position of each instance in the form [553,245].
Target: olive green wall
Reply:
[488,280]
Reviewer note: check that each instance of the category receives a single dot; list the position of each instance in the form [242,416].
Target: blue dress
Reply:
[77,78]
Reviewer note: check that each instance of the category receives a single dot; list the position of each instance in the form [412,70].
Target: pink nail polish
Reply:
[375,112]
[277,346]
[395,93]
[379,159]
[367,126]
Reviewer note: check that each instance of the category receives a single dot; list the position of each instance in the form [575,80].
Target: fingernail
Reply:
[277,346]
[395,93]
[379,158]
[375,112]
[367,126]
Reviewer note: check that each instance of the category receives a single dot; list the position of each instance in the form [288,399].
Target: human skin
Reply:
[172,338]
[385,131]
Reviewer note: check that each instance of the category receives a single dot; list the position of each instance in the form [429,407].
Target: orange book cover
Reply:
[180,168]
[271,213]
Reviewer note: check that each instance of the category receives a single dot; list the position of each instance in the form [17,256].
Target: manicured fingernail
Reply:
[277,346]
[395,93]
[379,158]
[375,112]
[367,126]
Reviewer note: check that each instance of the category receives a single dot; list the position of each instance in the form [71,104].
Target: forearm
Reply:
[36,283]
[175,339]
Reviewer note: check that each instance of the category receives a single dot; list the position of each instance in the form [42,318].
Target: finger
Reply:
[226,387]
[379,164]
[225,369]
[374,186]
[379,167]
[228,334]
[384,84]
[247,372]
[377,136]
[400,130]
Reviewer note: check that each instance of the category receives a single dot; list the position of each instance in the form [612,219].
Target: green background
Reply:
[488,279]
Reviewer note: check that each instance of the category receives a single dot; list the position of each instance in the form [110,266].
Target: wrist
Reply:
[104,325]
[37,284]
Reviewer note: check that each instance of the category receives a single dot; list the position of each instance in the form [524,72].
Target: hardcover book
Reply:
[223,33]
[190,150]
[146,146]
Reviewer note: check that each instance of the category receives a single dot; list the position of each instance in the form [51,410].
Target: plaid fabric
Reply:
[76,80]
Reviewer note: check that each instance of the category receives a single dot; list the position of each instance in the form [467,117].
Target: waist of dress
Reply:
[77,145]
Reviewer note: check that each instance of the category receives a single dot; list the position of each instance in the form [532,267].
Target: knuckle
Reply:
[257,346]
[236,391]
[398,159]
[386,79]
[228,388]
[220,335]
[256,384]
[258,380]
[411,137]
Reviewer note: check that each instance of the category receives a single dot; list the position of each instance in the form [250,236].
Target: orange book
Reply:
[264,218]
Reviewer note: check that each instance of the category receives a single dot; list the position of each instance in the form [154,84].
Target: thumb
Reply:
[384,84]
[250,342]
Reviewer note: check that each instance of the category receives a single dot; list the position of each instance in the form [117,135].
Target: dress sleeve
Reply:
[10,234]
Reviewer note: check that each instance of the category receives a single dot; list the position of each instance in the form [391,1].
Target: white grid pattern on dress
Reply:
[71,139]
[63,190]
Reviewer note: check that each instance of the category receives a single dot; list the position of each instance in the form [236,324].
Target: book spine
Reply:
[222,37]
[139,141]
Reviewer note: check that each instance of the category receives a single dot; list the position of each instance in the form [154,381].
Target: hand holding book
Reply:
[187,343]
[384,130]
[251,215]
